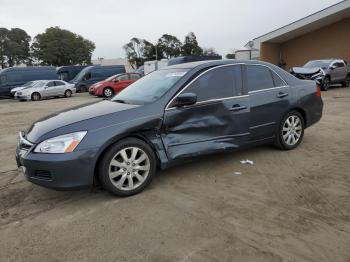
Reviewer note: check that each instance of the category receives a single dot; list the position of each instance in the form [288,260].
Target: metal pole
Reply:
[156,65]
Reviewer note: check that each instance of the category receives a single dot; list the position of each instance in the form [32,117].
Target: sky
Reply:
[224,25]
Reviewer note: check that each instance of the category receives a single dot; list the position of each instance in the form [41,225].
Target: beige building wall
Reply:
[332,41]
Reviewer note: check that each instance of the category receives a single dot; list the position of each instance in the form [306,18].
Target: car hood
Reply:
[17,89]
[306,71]
[74,116]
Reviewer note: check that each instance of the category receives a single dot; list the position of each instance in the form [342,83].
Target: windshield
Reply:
[151,87]
[80,76]
[37,84]
[318,63]
[30,83]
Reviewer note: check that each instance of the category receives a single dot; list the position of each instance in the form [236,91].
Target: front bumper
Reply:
[67,171]
[22,97]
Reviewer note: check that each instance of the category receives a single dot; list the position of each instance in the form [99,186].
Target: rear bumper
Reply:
[314,112]
[58,171]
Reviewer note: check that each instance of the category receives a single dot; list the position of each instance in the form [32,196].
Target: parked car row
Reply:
[326,72]
[81,76]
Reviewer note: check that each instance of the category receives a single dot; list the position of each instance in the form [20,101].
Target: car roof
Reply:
[214,63]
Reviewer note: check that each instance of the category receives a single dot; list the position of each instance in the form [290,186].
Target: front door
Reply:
[50,89]
[218,121]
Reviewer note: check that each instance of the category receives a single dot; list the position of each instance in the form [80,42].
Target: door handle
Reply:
[237,108]
[281,95]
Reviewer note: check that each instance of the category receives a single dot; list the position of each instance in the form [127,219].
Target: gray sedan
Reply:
[44,89]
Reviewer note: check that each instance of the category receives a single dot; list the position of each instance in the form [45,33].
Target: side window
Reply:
[123,77]
[63,76]
[277,80]
[219,82]
[339,64]
[87,76]
[3,79]
[258,77]
[50,84]
[59,83]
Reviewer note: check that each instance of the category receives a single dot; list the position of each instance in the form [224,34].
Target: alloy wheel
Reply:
[292,130]
[129,168]
[107,92]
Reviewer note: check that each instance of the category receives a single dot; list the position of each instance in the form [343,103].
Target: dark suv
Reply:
[171,115]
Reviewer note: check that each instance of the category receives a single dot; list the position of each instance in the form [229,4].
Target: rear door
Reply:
[339,72]
[269,99]
[60,88]
[218,121]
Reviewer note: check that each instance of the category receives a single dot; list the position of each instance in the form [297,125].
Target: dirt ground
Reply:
[288,206]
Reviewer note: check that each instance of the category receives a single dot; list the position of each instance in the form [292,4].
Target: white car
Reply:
[46,88]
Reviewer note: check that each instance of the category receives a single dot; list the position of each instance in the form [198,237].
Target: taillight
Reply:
[318,90]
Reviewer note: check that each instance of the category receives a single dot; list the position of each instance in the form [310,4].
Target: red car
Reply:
[113,84]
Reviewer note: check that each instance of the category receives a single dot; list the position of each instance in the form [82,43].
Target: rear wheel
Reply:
[326,84]
[36,96]
[68,93]
[291,131]
[127,167]
[108,92]
[346,82]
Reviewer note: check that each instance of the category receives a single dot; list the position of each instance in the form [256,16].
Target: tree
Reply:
[210,52]
[140,50]
[169,46]
[59,47]
[14,46]
[231,56]
[191,46]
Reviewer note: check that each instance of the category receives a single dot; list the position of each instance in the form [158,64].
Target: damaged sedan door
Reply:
[210,114]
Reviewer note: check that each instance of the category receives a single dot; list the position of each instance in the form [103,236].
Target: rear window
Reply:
[277,80]
[258,78]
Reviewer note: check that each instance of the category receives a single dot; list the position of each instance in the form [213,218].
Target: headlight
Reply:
[61,144]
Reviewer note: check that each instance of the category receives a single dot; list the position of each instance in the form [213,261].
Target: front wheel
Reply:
[326,84]
[108,92]
[291,131]
[36,96]
[127,167]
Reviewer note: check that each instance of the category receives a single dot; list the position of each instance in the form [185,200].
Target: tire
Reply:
[36,96]
[82,89]
[119,172]
[67,93]
[326,83]
[290,132]
[108,92]
[346,82]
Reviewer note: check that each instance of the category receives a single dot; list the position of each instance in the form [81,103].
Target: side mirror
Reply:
[185,99]
[332,67]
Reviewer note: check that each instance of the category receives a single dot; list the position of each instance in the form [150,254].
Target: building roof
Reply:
[307,24]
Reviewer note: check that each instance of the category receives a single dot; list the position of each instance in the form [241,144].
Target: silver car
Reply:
[46,88]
